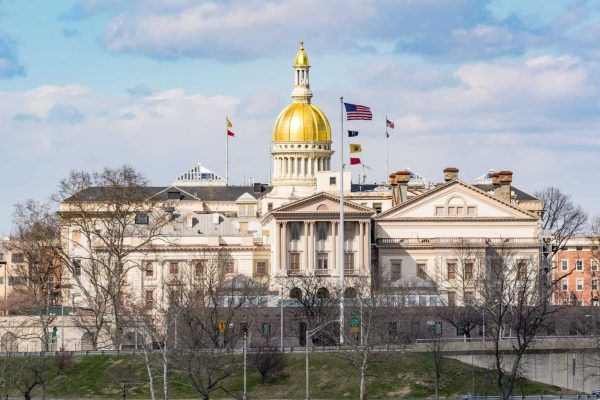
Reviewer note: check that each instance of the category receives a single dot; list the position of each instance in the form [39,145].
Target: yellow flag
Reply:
[355,148]
[229,124]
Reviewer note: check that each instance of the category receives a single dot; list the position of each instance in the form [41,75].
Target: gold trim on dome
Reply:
[302,122]
[301,57]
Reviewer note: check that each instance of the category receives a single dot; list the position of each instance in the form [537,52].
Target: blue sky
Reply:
[469,83]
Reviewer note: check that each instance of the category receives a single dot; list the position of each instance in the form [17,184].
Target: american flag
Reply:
[389,123]
[354,112]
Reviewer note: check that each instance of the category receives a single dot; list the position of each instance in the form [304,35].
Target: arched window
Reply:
[8,342]
[350,293]
[323,293]
[86,341]
[295,293]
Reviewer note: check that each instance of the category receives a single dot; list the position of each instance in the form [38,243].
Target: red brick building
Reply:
[577,271]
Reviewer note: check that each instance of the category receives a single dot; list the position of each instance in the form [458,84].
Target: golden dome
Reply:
[302,122]
[301,57]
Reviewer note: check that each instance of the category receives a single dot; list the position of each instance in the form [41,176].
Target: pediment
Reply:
[322,204]
[455,200]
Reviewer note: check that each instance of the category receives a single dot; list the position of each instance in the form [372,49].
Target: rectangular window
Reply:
[564,284]
[451,271]
[433,300]
[392,329]
[1,280]
[199,270]
[594,284]
[149,270]
[469,297]
[421,274]
[174,268]
[459,211]
[1,257]
[141,218]
[471,211]
[295,261]
[412,299]
[594,264]
[451,298]
[377,207]
[266,329]
[579,284]
[76,268]
[439,211]
[452,211]
[468,271]
[261,268]
[17,258]
[269,206]
[579,265]
[230,267]
[349,261]
[149,298]
[322,259]
[521,270]
[564,265]
[396,272]
[422,301]
[332,181]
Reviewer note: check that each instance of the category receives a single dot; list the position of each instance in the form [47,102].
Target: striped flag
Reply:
[389,123]
[357,112]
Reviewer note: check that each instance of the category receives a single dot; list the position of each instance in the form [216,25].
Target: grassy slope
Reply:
[399,375]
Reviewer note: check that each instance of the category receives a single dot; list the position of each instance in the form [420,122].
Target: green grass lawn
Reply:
[392,375]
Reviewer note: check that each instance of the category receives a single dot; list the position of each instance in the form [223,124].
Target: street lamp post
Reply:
[309,334]
[245,396]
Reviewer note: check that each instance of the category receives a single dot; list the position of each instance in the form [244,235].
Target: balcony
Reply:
[295,272]
[349,246]
[350,272]
[295,245]
[322,245]
[322,272]
[457,242]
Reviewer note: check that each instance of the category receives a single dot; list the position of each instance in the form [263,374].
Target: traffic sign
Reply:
[354,323]
[221,326]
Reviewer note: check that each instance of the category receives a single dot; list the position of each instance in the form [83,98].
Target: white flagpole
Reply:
[341,225]
[387,171]
[227,152]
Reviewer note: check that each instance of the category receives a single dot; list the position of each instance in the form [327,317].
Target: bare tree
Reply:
[515,294]
[317,300]
[456,287]
[37,280]
[106,217]
[268,360]
[216,309]
[29,374]
[563,218]
[434,346]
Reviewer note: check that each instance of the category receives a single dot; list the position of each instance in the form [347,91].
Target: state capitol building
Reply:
[398,235]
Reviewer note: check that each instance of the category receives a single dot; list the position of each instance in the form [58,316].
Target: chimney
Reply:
[400,186]
[450,174]
[502,185]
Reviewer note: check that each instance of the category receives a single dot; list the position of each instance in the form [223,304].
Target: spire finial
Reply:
[302,45]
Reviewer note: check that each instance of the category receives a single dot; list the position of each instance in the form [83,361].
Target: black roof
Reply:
[204,193]
[520,195]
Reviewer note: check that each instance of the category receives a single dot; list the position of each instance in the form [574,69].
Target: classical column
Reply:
[311,244]
[334,241]
[277,235]
[361,244]
[284,245]
[305,248]
[367,246]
